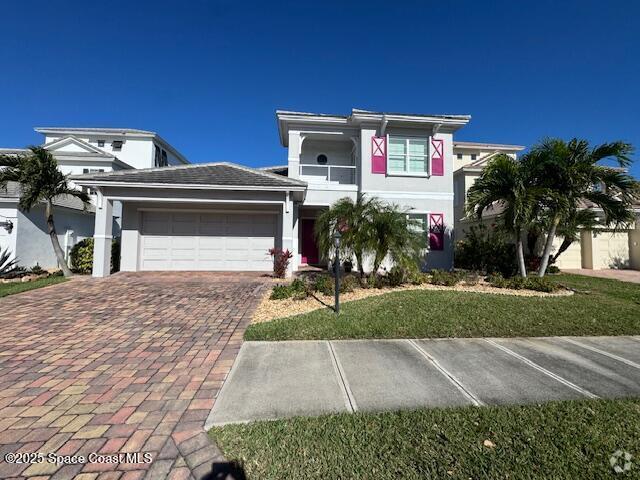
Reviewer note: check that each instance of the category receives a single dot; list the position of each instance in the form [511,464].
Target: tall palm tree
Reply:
[40,182]
[353,219]
[396,235]
[570,174]
[505,183]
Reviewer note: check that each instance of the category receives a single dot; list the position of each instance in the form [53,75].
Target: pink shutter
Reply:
[378,154]
[437,157]
[436,231]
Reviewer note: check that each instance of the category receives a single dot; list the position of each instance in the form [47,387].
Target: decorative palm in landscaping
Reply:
[554,189]
[370,228]
[506,182]
[40,182]
[570,175]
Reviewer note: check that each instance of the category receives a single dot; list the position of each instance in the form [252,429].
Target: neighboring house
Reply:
[598,249]
[223,216]
[77,151]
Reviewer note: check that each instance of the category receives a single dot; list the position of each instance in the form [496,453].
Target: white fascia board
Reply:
[188,186]
[487,146]
[285,121]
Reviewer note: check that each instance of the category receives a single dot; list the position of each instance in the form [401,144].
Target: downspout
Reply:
[383,126]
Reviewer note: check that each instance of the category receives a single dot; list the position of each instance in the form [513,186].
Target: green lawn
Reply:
[560,440]
[18,287]
[601,307]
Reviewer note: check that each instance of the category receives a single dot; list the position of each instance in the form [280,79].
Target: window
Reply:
[160,157]
[101,143]
[421,220]
[473,156]
[408,156]
[459,156]
[116,145]
[322,159]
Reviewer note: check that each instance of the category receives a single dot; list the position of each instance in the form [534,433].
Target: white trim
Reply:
[187,186]
[406,172]
[103,236]
[190,200]
[208,210]
[414,195]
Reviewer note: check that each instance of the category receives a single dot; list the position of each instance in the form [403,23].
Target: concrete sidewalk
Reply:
[283,379]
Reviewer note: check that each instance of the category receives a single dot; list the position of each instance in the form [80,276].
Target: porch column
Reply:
[288,232]
[102,237]
[129,238]
[294,151]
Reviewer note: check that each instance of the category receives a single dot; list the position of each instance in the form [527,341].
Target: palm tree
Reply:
[40,182]
[353,219]
[396,235]
[505,183]
[570,174]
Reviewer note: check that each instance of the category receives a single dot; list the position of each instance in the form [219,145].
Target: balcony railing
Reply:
[339,174]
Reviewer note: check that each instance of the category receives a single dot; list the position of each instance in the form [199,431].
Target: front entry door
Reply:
[309,248]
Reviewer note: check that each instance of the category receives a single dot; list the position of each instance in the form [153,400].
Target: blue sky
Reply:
[208,75]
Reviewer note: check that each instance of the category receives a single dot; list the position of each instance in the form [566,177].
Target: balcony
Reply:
[328,175]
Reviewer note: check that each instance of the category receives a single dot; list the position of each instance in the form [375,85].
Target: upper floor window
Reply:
[473,157]
[116,145]
[321,159]
[408,155]
[459,156]
[101,143]
[160,158]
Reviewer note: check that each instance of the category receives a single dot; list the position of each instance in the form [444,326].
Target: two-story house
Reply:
[223,216]
[77,151]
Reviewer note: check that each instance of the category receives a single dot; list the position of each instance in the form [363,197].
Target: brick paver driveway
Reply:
[131,363]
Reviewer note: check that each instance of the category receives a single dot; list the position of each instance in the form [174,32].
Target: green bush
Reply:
[486,250]
[448,279]
[470,278]
[553,269]
[396,276]
[519,283]
[82,256]
[324,284]
[280,292]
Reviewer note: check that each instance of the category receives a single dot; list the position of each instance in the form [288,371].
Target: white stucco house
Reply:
[223,216]
[77,151]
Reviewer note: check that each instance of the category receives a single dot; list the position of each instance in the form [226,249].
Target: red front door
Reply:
[309,248]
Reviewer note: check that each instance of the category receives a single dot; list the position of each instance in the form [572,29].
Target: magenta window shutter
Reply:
[437,157]
[378,154]
[436,231]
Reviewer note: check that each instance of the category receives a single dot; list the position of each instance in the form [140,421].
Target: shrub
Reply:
[323,284]
[396,276]
[448,279]
[82,256]
[7,266]
[488,251]
[349,283]
[281,259]
[470,278]
[37,270]
[553,269]
[519,283]
[280,292]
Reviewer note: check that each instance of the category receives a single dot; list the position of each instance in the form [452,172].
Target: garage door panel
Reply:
[207,241]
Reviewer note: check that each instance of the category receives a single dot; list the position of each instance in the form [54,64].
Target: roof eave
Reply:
[185,186]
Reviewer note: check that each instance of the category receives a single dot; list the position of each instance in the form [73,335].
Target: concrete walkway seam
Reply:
[349,399]
[549,373]
[602,352]
[449,376]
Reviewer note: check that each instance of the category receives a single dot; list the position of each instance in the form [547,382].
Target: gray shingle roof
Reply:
[213,174]
[12,190]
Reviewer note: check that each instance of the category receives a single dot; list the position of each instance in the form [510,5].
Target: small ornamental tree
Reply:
[281,259]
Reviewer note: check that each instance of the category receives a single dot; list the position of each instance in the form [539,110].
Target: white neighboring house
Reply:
[77,151]
[223,216]
[599,249]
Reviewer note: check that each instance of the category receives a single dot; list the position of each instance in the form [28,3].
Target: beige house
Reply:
[596,249]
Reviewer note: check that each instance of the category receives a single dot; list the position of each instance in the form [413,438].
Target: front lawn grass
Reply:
[560,440]
[19,287]
[600,307]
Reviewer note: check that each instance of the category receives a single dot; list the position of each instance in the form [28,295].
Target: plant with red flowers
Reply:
[281,259]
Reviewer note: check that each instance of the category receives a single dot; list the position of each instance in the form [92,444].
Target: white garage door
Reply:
[207,241]
[571,257]
[612,250]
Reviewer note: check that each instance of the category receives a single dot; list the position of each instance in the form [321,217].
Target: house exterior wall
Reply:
[33,242]
[9,212]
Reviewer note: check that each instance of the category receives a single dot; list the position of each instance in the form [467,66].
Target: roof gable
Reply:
[74,145]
